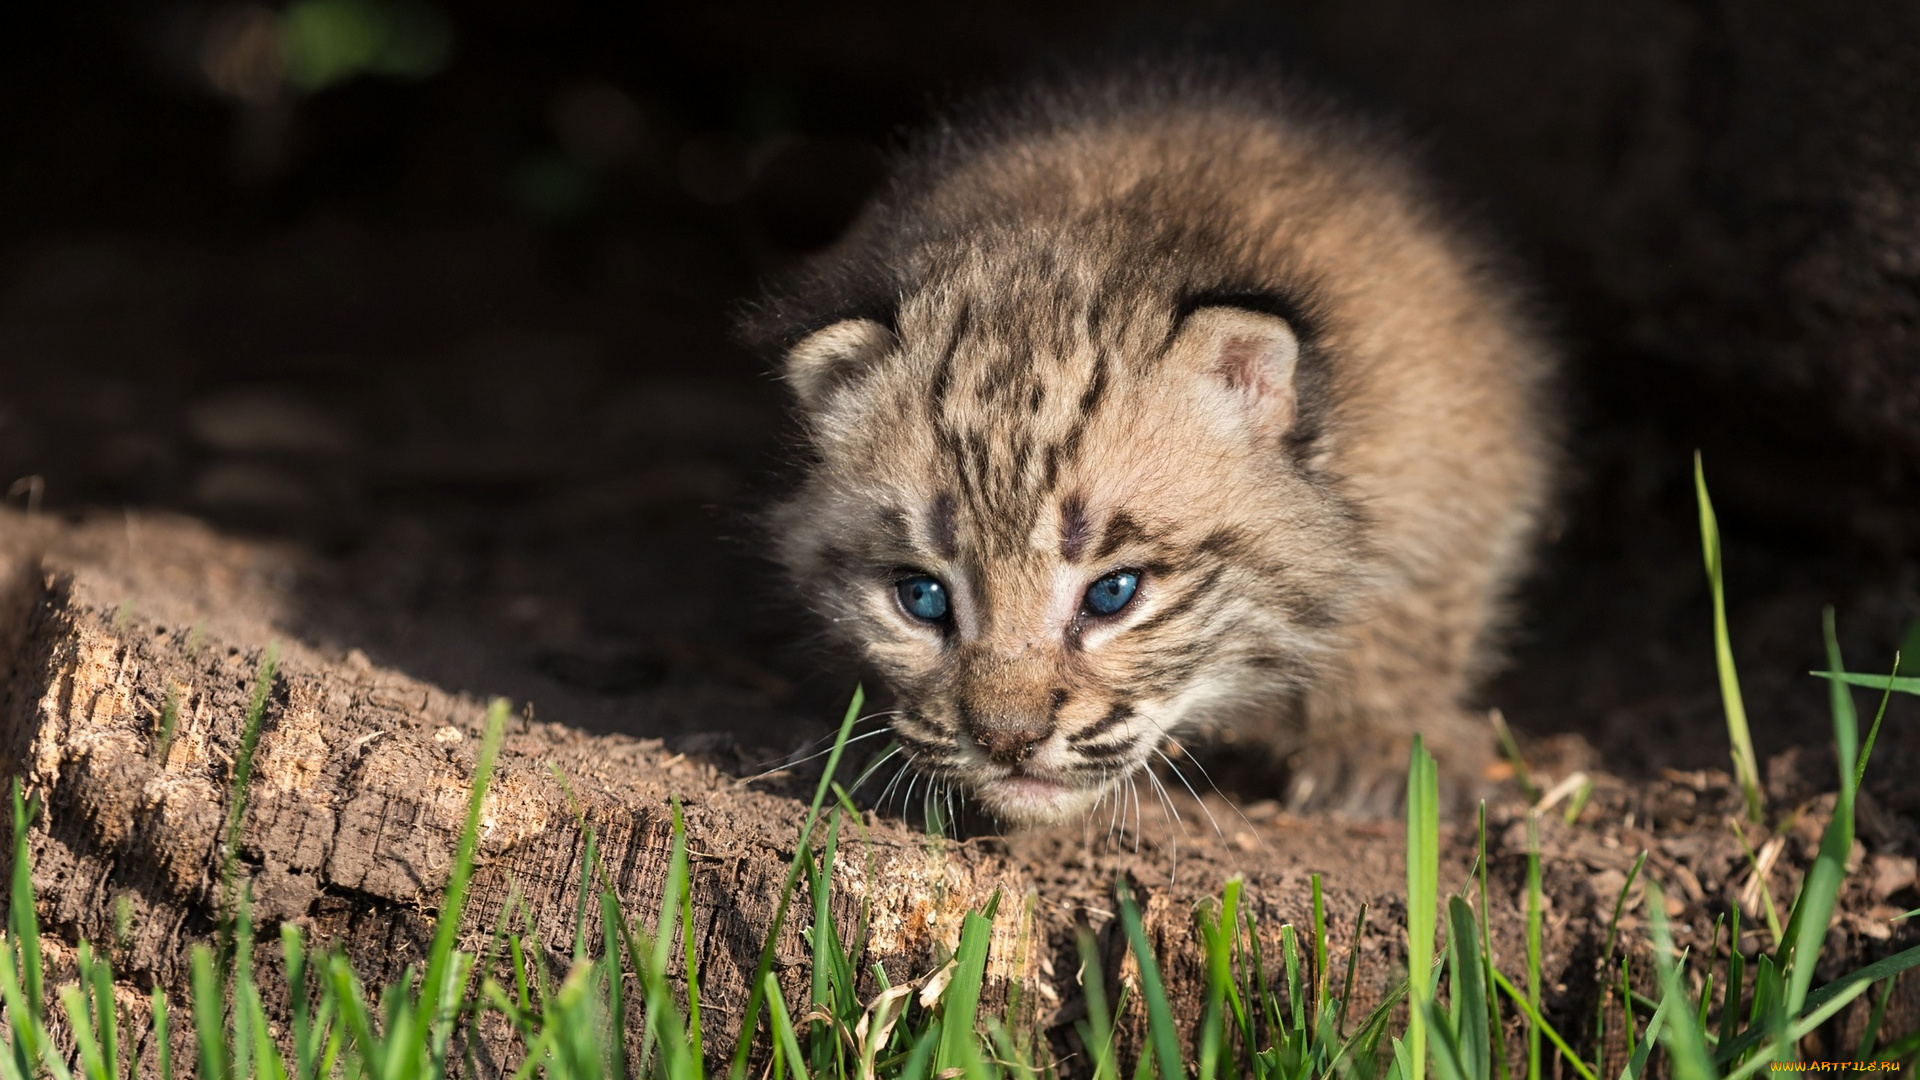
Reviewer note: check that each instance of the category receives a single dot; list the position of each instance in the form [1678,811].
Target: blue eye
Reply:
[1111,593]
[923,597]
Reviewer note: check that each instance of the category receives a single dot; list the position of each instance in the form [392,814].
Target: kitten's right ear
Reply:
[827,358]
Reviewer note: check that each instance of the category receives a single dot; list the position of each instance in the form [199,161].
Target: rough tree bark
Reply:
[362,776]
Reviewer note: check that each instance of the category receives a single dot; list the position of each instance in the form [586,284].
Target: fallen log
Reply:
[130,651]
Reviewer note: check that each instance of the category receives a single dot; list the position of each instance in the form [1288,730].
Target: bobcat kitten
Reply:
[1158,402]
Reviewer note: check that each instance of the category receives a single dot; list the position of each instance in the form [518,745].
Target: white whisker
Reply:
[1196,795]
[810,757]
[828,738]
[1167,810]
[1204,775]
[898,773]
[1139,819]
[1166,802]
[867,773]
[1094,810]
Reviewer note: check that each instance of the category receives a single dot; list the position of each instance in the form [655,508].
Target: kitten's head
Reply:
[1061,531]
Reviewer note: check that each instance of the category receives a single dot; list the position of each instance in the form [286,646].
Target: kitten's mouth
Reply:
[1026,798]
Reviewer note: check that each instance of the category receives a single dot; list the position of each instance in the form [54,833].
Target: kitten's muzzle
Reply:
[1009,742]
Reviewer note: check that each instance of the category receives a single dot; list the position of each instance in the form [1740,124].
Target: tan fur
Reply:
[1198,335]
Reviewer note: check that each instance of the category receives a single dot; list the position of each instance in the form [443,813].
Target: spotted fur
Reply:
[1192,329]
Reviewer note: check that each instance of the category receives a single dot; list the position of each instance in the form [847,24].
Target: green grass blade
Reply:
[832,974]
[208,1011]
[79,1009]
[1846,985]
[9,1066]
[1290,956]
[920,1060]
[677,869]
[1873,733]
[1534,915]
[960,1004]
[1319,947]
[1160,1028]
[242,984]
[523,993]
[782,1025]
[355,1022]
[751,1017]
[1766,995]
[1266,1004]
[1746,768]
[1346,984]
[1360,1045]
[1791,1034]
[1902,685]
[25,1026]
[266,1053]
[243,769]
[22,923]
[445,979]
[610,920]
[1540,1024]
[1620,901]
[1686,1045]
[1100,1021]
[1626,1003]
[1637,1064]
[1813,908]
[162,1044]
[169,720]
[1736,986]
[293,955]
[1511,750]
[1905,1050]
[1213,923]
[1423,892]
[50,1058]
[589,862]
[31,1038]
[1227,933]
[1495,1025]
[1870,1034]
[106,1017]
[1448,1062]
[1613,929]
[1010,1053]
[664,1025]
[1706,984]
[1471,1041]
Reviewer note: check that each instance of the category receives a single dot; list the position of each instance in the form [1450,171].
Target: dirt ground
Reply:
[520,454]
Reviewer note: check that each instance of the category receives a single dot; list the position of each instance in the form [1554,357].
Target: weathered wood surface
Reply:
[360,784]
[362,777]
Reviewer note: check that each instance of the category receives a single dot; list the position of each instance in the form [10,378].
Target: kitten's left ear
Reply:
[1253,354]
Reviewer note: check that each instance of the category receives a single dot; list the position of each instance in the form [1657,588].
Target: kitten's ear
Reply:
[1252,353]
[828,357]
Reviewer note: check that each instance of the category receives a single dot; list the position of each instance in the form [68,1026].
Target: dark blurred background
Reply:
[442,293]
